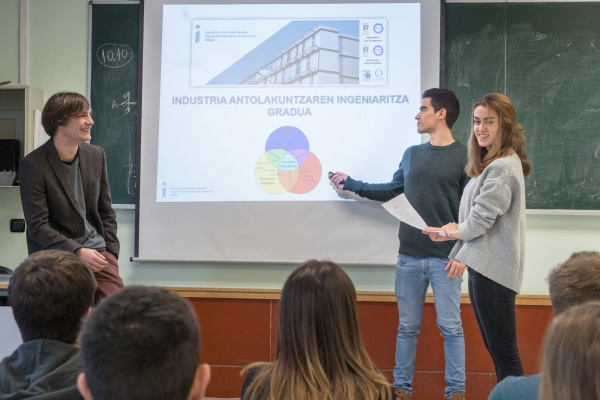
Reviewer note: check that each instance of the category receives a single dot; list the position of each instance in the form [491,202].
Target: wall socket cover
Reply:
[17,225]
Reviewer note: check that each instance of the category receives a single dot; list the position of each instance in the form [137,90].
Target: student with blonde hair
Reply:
[570,366]
[491,227]
[320,353]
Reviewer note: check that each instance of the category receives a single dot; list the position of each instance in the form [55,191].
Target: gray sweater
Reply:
[492,223]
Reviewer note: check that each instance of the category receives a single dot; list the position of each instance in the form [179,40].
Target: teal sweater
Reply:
[517,387]
[432,179]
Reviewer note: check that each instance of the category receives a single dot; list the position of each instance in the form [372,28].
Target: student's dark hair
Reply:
[61,107]
[141,343]
[320,353]
[444,98]
[50,294]
[575,281]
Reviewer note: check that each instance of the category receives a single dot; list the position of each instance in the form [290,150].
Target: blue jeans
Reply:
[413,276]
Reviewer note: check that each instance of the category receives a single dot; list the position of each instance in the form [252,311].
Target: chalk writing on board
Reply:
[114,55]
[125,104]
[537,36]
[131,179]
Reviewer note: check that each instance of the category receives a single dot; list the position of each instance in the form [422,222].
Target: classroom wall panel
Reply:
[225,382]
[237,332]
[9,45]
[379,324]
[274,325]
[478,359]
[532,323]
[57,45]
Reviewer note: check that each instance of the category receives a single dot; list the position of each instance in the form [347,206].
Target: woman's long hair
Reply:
[320,353]
[571,361]
[509,140]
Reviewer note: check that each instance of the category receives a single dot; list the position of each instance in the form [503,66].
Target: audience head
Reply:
[320,353]
[575,281]
[317,315]
[50,294]
[60,108]
[444,98]
[142,343]
[508,138]
[572,355]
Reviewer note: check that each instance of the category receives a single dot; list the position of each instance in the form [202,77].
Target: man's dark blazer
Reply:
[50,206]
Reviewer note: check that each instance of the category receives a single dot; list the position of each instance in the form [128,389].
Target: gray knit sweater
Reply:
[492,223]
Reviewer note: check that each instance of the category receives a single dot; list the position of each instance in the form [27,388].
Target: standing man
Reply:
[432,177]
[65,193]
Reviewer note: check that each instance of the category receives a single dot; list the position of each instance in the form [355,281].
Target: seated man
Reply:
[142,343]
[574,282]
[50,293]
[65,192]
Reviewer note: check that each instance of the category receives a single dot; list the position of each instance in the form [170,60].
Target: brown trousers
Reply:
[108,278]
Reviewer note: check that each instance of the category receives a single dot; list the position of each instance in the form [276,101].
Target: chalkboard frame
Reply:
[444,75]
[132,103]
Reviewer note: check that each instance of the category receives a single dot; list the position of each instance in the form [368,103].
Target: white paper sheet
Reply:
[401,208]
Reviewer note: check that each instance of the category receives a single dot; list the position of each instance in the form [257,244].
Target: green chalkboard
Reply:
[546,58]
[114,92]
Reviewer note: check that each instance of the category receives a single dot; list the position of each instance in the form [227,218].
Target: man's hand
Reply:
[456,269]
[94,260]
[338,179]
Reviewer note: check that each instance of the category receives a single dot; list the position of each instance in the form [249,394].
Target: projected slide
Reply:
[244,90]
[288,165]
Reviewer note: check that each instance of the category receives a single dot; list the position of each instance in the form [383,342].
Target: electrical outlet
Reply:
[17,225]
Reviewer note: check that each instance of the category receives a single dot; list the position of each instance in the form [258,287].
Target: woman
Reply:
[320,354]
[490,232]
[572,355]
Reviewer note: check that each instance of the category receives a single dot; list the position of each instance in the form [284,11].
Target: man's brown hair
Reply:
[50,294]
[60,108]
[575,281]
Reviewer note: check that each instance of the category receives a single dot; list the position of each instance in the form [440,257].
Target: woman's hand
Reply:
[455,269]
[451,231]
[436,234]
[446,232]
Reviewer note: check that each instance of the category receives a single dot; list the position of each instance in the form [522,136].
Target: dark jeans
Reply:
[494,308]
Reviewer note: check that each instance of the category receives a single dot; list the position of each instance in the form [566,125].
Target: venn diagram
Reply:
[287,164]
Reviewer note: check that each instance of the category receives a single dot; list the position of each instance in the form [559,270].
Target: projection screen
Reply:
[245,109]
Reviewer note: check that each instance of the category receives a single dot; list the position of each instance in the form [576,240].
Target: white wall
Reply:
[57,60]
[9,41]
